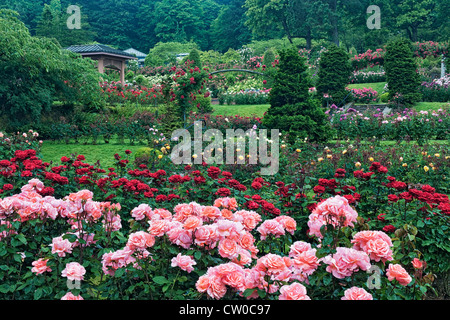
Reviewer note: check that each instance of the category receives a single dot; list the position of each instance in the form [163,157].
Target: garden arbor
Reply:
[105,56]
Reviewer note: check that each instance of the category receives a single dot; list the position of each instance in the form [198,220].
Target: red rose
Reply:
[389,228]
[392,198]
[319,189]
[223,192]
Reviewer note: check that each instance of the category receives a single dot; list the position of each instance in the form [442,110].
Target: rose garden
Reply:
[93,207]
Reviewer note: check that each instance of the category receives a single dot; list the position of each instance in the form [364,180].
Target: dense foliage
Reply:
[401,73]
[35,72]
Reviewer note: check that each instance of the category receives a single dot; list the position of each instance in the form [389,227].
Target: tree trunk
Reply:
[334,22]
[308,39]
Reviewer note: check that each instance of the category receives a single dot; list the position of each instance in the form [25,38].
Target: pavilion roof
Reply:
[99,49]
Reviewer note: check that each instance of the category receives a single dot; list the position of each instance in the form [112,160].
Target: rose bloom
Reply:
[74,271]
[69,296]
[158,227]
[379,249]
[142,211]
[299,247]
[211,212]
[192,222]
[288,223]
[355,293]
[418,264]
[206,235]
[140,240]
[228,248]
[346,261]
[271,227]
[294,291]
[40,266]
[61,246]
[306,262]
[396,271]
[161,214]
[184,262]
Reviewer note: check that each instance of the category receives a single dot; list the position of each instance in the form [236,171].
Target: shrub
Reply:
[333,75]
[384,97]
[401,72]
[292,111]
[194,56]
[203,103]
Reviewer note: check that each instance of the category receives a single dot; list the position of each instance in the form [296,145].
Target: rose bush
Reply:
[205,232]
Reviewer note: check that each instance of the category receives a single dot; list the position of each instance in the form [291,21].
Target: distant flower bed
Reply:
[246,97]
[365,95]
[437,90]
[367,77]
[409,124]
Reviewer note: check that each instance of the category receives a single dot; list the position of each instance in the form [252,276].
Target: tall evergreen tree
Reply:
[401,72]
[333,75]
[292,110]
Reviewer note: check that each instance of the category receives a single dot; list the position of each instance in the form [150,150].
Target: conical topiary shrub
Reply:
[292,110]
[333,76]
[401,73]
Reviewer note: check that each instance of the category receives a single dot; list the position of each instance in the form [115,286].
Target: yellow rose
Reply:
[404,165]
[437,155]
[426,168]
[329,156]
[320,159]
[298,150]
[160,156]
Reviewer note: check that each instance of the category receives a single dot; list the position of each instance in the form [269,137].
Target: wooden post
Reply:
[122,72]
[101,66]
[443,71]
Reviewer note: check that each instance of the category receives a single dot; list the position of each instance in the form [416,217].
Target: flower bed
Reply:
[408,124]
[437,90]
[204,232]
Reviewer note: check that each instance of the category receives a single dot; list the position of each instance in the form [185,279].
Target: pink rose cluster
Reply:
[75,208]
[335,211]
[269,270]
[376,244]
[277,227]
[219,226]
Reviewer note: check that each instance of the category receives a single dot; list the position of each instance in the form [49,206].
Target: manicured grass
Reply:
[377,86]
[430,106]
[52,151]
[242,110]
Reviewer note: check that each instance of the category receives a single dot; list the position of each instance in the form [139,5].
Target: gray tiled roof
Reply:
[135,52]
[88,48]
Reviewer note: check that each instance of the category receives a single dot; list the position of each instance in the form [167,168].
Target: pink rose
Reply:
[40,266]
[355,293]
[69,296]
[396,271]
[294,291]
[346,261]
[142,211]
[418,264]
[140,240]
[74,271]
[184,262]
[61,246]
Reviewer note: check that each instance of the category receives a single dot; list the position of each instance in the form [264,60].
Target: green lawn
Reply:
[242,110]
[377,86]
[52,151]
[430,106]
